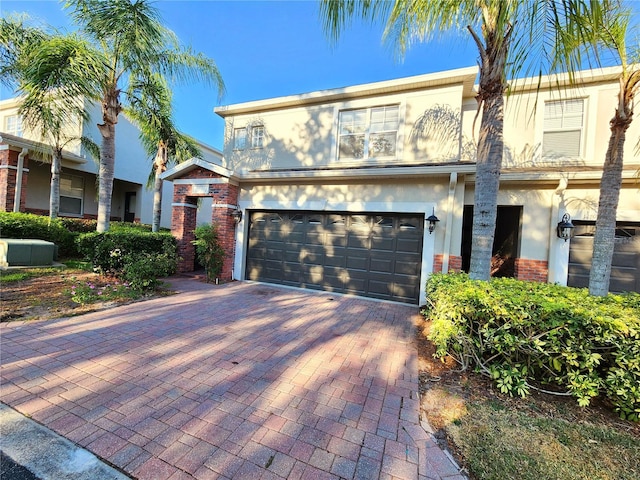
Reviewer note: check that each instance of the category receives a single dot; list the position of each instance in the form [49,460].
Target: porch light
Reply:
[432,219]
[565,228]
[237,215]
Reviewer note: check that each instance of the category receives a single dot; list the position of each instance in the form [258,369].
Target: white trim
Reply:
[200,181]
[425,208]
[189,165]
[12,167]
[189,205]
[224,205]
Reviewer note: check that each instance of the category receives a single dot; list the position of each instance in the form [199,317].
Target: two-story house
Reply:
[25,171]
[339,190]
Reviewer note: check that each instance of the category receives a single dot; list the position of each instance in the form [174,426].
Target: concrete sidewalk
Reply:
[232,381]
[46,454]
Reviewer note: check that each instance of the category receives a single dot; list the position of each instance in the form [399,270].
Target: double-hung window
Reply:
[239,138]
[13,125]
[257,136]
[368,133]
[563,128]
[71,194]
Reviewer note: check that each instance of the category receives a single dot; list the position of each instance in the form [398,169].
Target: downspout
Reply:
[453,182]
[18,192]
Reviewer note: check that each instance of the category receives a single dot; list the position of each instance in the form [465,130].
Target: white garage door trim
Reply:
[428,243]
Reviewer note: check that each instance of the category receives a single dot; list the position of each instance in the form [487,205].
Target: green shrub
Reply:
[28,225]
[137,257]
[209,252]
[529,335]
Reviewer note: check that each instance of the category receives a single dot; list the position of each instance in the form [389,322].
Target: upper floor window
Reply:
[239,138]
[13,125]
[71,194]
[257,136]
[563,128]
[368,132]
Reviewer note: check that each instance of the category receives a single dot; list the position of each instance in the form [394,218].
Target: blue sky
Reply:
[271,48]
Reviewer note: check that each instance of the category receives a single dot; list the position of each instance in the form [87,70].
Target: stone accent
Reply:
[533,270]
[183,218]
[455,263]
[8,178]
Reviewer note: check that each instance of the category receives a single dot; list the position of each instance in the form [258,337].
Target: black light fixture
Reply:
[565,228]
[237,215]
[432,219]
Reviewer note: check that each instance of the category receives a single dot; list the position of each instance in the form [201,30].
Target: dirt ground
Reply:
[445,391]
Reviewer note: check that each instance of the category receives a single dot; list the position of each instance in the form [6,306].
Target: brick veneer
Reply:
[533,270]
[455,263]
[8,178]
[183,219]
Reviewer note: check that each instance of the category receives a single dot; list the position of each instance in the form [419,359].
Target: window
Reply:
[239,138]
[71,194]
[13,125]
[257,136]
[368,133]
[563,125]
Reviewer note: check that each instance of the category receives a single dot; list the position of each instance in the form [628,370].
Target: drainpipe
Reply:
[18,192]
[453,182]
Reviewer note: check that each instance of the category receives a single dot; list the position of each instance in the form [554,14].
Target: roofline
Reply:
[185,167]
[38,147]
[466,76]
[564,79]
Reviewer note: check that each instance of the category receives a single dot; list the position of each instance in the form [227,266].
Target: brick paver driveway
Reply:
[234,381]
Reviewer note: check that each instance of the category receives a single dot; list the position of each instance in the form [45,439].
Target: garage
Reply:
[372,255]
[625,266]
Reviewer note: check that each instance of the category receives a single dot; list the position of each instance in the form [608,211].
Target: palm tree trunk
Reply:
[604,237]
[54,194]
[489,164]
[490,148]
[110,110]
[160,165]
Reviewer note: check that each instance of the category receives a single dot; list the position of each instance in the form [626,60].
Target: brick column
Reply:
[184,212]
[8,180]
[455,263]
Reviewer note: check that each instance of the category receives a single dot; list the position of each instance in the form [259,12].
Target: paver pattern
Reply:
[233,381]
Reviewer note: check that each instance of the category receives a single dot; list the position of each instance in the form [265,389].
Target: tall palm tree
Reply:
[606,26]
[152,112]
[492,26]
[131,36]
[51,72]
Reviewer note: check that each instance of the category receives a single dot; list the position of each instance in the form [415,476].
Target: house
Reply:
[333,190]
[25,171]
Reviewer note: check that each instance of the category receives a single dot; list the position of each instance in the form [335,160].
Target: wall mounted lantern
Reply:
[432,219]
[237,215]
[565,228]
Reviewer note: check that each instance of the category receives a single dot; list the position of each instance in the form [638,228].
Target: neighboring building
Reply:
[25,170]
[335,187]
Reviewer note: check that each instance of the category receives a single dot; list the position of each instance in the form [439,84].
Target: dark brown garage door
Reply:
[373,255]
[625,266]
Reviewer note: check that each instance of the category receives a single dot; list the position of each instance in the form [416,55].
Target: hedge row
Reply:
[533,335]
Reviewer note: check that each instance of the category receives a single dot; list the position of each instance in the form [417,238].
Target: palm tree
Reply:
[131,37]
[151,111]
[491,24]
[50,71]
[606,26]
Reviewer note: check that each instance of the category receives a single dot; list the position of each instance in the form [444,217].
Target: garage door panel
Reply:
[365,254]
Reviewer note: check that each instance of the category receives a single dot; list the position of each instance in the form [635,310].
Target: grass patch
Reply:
[505,444]
[13,276]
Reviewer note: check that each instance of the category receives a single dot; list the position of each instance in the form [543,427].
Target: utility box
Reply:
[26,252]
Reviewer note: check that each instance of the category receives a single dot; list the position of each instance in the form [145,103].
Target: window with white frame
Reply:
[71,194]
[239,138]
[13,125]
[563,128]
[368,132]
[257,136]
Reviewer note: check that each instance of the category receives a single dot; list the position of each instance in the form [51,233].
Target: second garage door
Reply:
[373,255]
